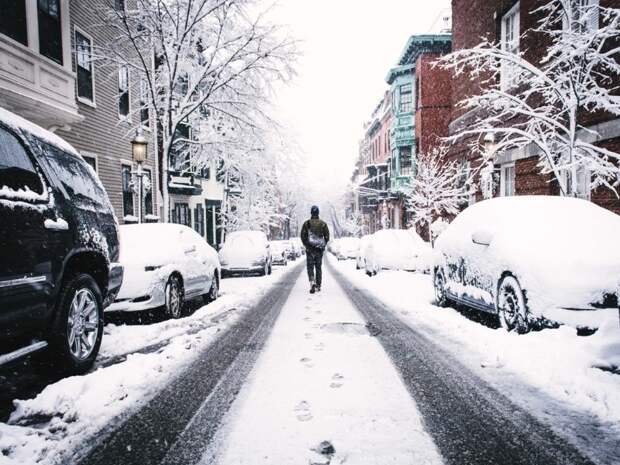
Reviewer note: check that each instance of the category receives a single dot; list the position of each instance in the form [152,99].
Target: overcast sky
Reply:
[348,47]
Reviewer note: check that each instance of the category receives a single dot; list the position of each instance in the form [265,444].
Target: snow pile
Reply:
[564,251]
[65,414]
[554,373]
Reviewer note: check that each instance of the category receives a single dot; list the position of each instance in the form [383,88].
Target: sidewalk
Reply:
[322,377]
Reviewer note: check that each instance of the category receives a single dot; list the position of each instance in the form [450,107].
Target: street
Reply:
[335,377]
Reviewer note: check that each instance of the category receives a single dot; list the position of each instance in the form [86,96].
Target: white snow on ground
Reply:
[321,377]
[550,372]
[65,414]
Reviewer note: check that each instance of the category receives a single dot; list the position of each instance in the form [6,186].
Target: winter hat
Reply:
[314,211]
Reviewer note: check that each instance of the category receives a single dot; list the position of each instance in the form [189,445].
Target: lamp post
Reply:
[139,153]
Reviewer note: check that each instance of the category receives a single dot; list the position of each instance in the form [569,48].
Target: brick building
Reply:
[510,23]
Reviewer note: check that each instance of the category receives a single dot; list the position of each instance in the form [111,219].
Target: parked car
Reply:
[299,245]
[291,250]
[396,249]
[347,248]
[165,265]
[246,252]
[279,252]
[530,259]
[360,261]
[58,249]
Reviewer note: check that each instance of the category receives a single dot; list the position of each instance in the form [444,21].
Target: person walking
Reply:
[314,236]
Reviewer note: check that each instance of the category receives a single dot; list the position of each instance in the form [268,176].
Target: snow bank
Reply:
[47,429]
[551,373]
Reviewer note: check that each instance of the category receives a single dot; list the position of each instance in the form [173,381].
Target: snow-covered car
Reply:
[299,245]
[347,248]
[246,252]
[531,259]
[165,265]
[291,250]
[279,252]
[360,262]
[396,249]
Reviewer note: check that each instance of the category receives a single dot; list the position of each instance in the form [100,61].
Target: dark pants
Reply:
[314,260]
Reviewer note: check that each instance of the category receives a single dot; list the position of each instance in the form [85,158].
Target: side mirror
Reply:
[481,237]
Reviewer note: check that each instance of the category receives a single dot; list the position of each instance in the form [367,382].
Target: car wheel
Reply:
[214,290]
[439,285]
[78,327]
[174,297]
[512,306]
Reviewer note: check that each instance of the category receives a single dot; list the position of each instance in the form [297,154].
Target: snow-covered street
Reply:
[367,371]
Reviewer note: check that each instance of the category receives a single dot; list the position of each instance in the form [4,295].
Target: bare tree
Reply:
[207,65]
[539,106]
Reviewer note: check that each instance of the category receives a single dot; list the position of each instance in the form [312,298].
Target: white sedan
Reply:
[347,248]
[396,249]
[531,260]
[165,265]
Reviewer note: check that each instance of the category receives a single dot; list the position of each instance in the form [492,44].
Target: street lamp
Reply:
[139,152]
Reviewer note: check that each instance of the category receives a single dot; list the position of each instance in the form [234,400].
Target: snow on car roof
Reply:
[17,122]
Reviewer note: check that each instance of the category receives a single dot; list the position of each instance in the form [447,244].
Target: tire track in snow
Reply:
[177,424]
[470,422]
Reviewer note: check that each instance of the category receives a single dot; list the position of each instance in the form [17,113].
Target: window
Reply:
[147,186]
[16,169]
[119,5]
[84,65]
[507,180]
[127,185]
[406,98]
[199,220]
[405,161]
[50,34]
[585,15]
[91,161]
[181,214]
[123,91]
[13,20]
[583,179]
[510,43]
[144,103]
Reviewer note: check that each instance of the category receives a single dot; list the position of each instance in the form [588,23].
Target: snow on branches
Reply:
[539,107]
[438,189]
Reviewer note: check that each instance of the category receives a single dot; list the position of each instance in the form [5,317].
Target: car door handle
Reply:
[56,225]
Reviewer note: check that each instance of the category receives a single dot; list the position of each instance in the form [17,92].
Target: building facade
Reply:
[48,74]
[512,23]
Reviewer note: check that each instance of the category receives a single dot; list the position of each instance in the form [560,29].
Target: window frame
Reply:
[514,46]
[593,23]
[122,117]
[61,59]
[504,168]
[143,91]
[409,93]
[84,100]
[92,156]
[144,209]
[127,165]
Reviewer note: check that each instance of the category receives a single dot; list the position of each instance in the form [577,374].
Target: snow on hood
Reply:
[564,250]
[243,247]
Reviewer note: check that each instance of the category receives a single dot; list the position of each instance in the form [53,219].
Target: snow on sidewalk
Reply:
[322,377]
[66,414]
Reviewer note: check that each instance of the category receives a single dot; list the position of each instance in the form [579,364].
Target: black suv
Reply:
[58,249]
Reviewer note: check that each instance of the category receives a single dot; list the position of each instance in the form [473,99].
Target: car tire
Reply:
[78,326]
[174,297]
[214,290]
[439,286]
[511,305]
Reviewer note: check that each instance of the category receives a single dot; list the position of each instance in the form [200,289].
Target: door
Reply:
[29,240]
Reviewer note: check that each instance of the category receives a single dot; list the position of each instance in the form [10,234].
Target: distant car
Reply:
[299,245]
[347,248]
[165,265]
[246,252]
[360,262]
[532,258]
[279,252]
[291,250]
[396,249]
[59,249]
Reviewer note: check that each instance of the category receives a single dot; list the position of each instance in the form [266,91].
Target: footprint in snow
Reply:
[308,335]
[337,381]
[307,318]
[302,411]
[307,361]
[319,347]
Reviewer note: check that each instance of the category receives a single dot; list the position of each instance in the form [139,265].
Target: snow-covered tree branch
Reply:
[540,106]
